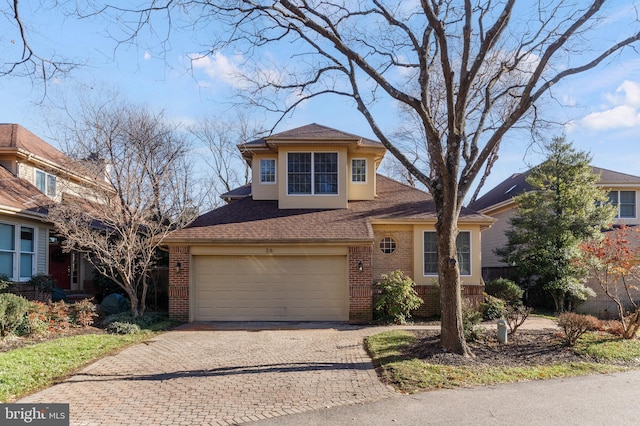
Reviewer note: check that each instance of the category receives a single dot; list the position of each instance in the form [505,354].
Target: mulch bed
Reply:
[526,347]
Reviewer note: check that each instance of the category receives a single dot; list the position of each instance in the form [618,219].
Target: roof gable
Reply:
[14,137]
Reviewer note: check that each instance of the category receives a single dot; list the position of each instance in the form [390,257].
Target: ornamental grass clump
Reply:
[397,297]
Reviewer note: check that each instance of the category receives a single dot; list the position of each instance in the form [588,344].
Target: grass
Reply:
[31,368]
[412,375]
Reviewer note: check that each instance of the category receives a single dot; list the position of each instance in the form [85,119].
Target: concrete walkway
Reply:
[230,373]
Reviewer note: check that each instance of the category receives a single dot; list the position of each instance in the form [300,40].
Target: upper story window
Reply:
[17,263]
[268,170]
[625,201]
[312,173]
[358,170]
[46,183]
[463,246]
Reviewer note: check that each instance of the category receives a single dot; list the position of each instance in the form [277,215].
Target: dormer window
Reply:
[268,170]
[359,170]
[46,183]
[312,173]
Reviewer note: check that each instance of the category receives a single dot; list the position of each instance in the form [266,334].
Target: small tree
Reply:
[563,209]
[141,193]
[612,263]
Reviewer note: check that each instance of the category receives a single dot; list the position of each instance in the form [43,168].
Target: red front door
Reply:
[60,266]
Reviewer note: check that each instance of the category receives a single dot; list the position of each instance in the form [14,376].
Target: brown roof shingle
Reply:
[248,220]
[19,195]
[16,137]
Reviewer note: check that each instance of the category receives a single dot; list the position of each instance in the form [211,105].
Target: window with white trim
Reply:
[625,201]
[388,245]
[312,173]
[17,251]
[358,170]
[430,254]
[268,170]
[46,183]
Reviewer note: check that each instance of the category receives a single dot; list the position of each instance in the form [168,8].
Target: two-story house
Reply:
[307,238]
[499,203]
[33,174]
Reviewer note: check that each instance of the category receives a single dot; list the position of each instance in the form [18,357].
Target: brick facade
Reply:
[360,284]
[179,282]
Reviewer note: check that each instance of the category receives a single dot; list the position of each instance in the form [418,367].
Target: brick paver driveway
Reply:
[207,375]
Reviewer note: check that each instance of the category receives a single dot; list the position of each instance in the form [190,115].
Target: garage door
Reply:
[270,288]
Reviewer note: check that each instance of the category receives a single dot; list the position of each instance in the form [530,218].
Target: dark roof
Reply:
[311,132]
[516,184]
[235,194]
[248,220]
[19,195]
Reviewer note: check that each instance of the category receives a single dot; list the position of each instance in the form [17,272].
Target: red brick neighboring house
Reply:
[306,240]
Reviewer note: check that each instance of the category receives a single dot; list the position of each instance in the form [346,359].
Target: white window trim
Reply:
[47,177]
[470,255]
[313,194]
[360,182]
[17,228]
[635,203]
[275,172]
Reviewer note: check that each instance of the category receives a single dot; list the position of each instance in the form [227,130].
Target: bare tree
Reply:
[140,192]
[227,170]
[20,56]
[468,70]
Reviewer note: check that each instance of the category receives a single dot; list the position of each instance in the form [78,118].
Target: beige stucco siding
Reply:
[362,190]
[475,278]
[265,191]
[320,201]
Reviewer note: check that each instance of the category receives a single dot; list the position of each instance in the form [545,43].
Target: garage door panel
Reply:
[252,288]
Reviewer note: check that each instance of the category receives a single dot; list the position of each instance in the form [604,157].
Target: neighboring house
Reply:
[306,240]
[499,203]
[33,174]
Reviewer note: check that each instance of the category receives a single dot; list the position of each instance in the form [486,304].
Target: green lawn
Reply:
[31,368]
[413,375]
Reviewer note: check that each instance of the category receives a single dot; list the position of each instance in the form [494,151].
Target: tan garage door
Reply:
[270,288]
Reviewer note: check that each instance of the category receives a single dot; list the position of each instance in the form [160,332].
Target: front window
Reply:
[268,170]
[358,170]
[46,183]
[12,260]
[463,246]
[387,245]
[312,173]
[625,201]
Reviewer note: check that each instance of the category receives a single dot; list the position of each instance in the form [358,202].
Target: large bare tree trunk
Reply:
[451,330]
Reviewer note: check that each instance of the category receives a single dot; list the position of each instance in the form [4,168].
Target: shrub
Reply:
[397,297]
[6,285]
[611,326]
[43,282]
[59,315]
[13,309]
[118,327]
[575,325]
[515,315]
[506,290]
[492,307]
[36,321]
[471,319]
[84,312]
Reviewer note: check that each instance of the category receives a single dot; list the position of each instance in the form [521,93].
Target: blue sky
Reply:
[603,105]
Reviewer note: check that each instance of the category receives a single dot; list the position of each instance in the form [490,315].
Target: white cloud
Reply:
[147,56]
[628,93]
[221,68]
[623,109]
[618,117]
